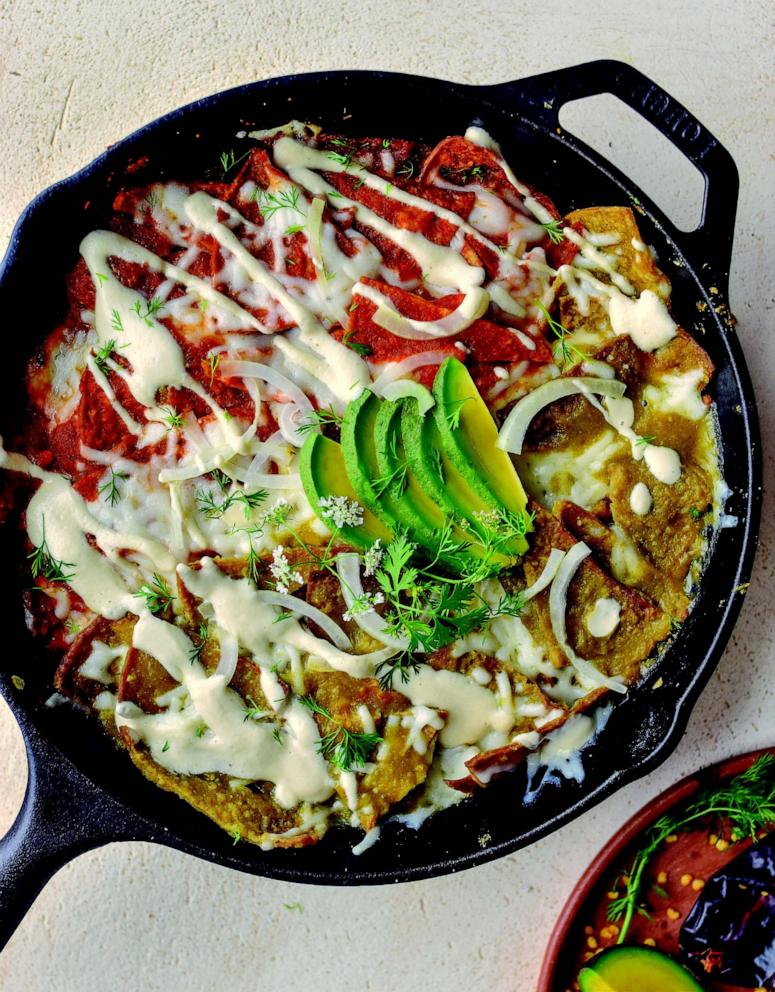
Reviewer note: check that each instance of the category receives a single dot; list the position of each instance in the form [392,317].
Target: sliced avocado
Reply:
[440,479]
[321,466]
[468,435]
[412,507]
[422,516]
[635,969]
[360,455]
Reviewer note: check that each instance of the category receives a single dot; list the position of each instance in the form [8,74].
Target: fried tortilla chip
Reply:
[246,810]
[399,763]
[631,259]
[486,764]
[95,659]
[642,624]
[619,555]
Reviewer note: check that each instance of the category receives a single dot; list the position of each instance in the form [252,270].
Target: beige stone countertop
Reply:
[76,75]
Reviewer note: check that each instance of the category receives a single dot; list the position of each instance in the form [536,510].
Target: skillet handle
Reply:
[544,95]
[63,815]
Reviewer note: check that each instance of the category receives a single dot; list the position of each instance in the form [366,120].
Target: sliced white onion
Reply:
[195,436]
[558,605]
[473,305]
[255,370]
[227,663]
[291,417]
[348,568]
[262,454]
[193,469]
[106,458]
[255,394]
[359,666]
[271,480]
[408,387]
[512,434]
[397,370]
[294,605]
[553,562]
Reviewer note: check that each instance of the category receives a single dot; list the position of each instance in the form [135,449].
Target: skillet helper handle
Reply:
[62,816]
[712,240]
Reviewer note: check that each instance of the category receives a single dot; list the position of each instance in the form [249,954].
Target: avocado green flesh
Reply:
[635,969]
[360,454]
[419,512]
[412,506]
[471,445]
[322,470]
[448,488]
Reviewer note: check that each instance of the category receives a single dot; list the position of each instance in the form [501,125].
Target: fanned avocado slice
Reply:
[635,969]
[414,509]
[439,477]
[412,506]
[360,454]
[322,470]
[468,434]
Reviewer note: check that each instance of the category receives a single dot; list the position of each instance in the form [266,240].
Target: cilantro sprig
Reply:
[151,308]
[109,489]
[364,350]
[103,353]
[429,608]
[554,229]
[317,419]
[270,203]
[203,636]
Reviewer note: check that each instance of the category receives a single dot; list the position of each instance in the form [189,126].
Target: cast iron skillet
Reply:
[82,792]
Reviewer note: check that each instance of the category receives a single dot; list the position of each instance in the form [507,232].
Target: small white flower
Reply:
[341,511]
[489,518]
[364,604]
[277,514]
[282,571]
[373,558]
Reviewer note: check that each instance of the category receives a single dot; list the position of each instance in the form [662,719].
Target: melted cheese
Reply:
[640,499]
[578,474]
[60,516]
[678,394]
[348,373]
[238,607]
[472,710]
[603,619]
[646,320]
[99,662]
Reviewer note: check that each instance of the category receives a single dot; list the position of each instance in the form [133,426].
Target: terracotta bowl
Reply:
[682,867]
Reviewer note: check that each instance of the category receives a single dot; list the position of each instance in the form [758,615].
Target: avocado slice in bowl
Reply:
[636,969]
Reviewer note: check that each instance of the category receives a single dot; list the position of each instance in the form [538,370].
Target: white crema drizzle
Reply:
[230,744]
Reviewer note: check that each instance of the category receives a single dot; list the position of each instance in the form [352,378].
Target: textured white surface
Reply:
[76,75]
